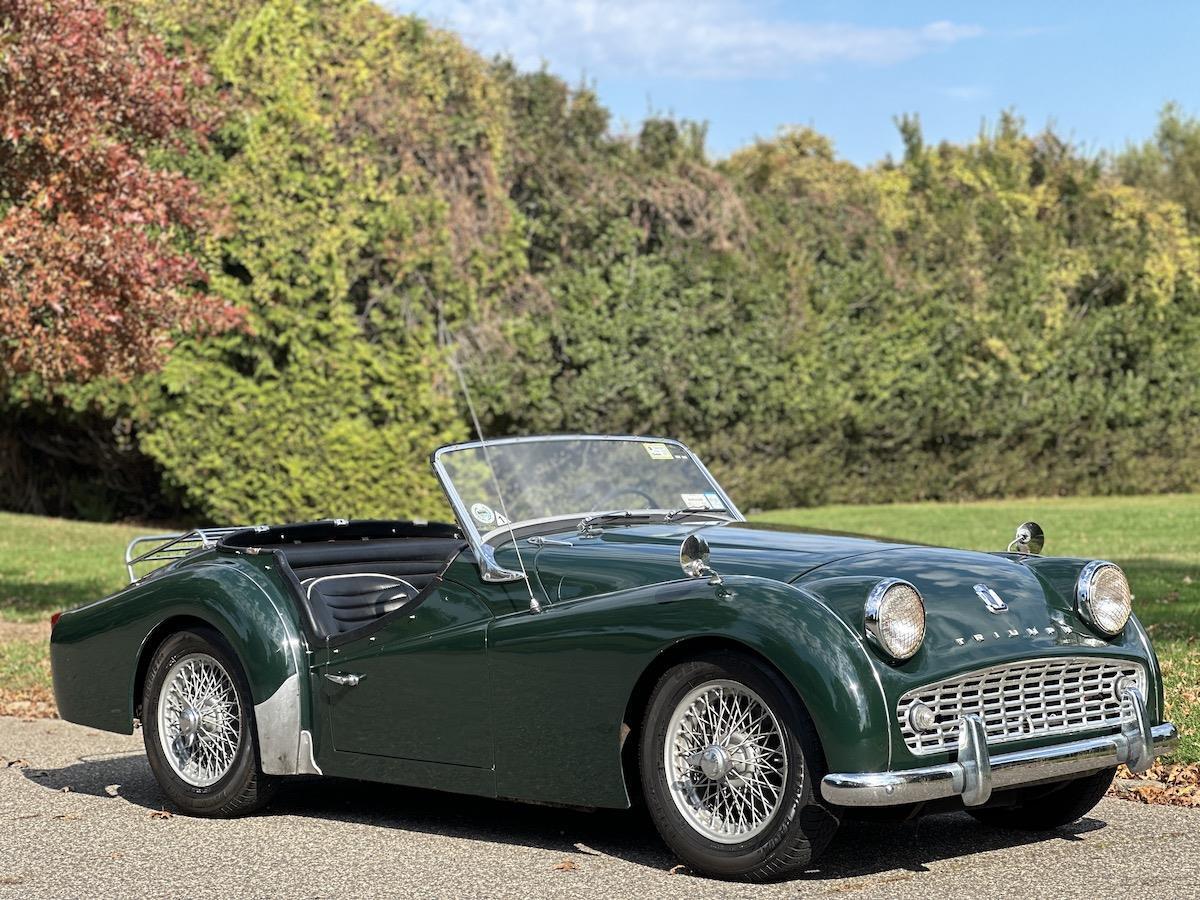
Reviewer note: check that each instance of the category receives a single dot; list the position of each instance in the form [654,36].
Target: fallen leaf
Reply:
[65,790]
[160,814]
[677,870]
[70,817]
[18,763]
[567,865]
[112,789]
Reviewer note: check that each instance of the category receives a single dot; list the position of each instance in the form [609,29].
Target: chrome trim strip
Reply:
[307,762]
[1132,746]
[485,554]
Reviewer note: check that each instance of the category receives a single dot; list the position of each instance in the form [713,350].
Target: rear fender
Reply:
[100,651]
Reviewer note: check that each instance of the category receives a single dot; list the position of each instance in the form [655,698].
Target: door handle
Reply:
[350,680]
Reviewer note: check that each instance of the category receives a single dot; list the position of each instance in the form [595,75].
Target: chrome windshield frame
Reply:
[485,552]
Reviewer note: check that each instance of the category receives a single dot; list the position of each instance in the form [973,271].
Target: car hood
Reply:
[628,556]
[1036,594]
[838,568]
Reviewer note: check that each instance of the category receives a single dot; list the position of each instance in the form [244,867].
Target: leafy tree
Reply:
[1168,165]
[95,272]
[362,162]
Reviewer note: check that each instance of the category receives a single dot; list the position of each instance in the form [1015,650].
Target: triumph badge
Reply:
[990,599]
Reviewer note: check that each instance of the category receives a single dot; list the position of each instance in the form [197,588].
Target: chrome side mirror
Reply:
[1030,538]
[693,559]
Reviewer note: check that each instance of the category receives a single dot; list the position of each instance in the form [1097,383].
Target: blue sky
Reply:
[1098,71]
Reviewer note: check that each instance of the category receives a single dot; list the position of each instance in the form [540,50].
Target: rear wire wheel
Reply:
[730,768]
[198,727]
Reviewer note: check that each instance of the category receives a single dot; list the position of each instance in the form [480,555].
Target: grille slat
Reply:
[1017,701]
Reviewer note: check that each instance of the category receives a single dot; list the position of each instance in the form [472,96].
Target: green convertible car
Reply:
[603,627]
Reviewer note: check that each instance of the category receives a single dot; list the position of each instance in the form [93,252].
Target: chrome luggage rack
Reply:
[171,547]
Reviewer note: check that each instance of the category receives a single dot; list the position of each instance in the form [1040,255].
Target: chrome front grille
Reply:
[1022,700]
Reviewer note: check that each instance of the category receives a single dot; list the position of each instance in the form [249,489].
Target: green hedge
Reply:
[1009,316]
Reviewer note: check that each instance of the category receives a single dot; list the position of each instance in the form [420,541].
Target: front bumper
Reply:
[975,774]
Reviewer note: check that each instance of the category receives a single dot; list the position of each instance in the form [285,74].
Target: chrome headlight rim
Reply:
[1084,596]
[873,618]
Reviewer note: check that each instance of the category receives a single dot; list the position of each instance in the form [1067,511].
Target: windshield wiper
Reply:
[687,512]
[591,524]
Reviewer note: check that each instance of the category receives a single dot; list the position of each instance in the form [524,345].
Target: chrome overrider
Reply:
[975,774]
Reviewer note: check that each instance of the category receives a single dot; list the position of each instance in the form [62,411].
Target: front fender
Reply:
[98,651]
[563,678]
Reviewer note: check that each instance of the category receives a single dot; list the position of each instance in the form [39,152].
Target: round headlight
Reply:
[1102,597]
[895,618]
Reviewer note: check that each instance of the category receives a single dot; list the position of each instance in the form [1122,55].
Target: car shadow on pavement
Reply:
[860,848]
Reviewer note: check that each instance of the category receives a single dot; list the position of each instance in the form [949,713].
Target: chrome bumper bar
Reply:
[975,774]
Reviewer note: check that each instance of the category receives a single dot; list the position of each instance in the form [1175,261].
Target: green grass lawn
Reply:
[51,564]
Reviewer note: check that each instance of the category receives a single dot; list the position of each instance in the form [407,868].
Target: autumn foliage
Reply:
[94,272]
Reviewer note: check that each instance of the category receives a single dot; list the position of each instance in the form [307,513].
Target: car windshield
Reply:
[541,478]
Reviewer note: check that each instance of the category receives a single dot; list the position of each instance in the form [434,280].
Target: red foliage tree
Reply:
[94,279]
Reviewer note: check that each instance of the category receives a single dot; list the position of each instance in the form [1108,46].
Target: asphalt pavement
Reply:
[81,816]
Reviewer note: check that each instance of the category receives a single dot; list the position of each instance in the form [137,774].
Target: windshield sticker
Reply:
[659,451]
[483,513]
[501,520]
[695,501]
[714,502]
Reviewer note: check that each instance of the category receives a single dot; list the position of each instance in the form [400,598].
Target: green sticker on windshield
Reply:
[658,451]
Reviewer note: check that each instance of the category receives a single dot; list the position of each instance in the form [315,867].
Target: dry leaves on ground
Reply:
[567,865]
[1169,784]
[160,814]
[30,703]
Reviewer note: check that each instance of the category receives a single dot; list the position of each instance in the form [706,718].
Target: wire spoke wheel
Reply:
[199,720]
[725,761]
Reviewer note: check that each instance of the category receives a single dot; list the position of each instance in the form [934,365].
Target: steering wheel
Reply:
[604,502]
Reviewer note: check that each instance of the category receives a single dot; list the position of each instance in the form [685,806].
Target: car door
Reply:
[415,687]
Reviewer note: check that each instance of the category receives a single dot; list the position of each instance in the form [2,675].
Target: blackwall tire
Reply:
[697,797]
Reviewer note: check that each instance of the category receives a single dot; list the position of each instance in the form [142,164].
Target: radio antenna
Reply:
[452,346]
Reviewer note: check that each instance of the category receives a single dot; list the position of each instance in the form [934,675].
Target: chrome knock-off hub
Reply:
[189,724]
[715,762]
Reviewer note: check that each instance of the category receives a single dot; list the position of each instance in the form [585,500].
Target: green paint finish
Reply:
[473,691]
[95,650]
[563,678]
[423,694]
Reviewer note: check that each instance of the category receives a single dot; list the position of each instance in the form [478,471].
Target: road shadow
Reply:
[860,848]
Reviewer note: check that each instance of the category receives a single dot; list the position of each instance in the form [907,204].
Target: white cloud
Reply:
[966,92]
[699,39]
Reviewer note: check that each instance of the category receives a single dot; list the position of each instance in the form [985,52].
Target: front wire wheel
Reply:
[726,761]
[729,763]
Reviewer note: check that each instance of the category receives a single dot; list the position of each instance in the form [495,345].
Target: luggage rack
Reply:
[170,547]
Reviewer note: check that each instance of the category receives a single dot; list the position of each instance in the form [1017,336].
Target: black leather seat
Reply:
[354,600]
[348,584]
